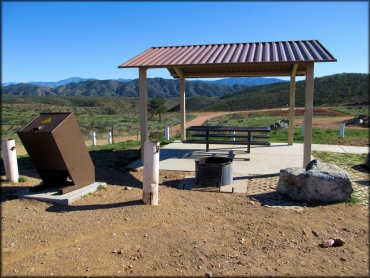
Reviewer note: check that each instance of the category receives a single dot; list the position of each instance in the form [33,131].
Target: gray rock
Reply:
[319,182]
[280,124]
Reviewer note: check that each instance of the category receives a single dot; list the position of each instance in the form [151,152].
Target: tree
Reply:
[157,106]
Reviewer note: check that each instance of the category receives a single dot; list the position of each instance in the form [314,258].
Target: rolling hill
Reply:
[338,89]
[157,87]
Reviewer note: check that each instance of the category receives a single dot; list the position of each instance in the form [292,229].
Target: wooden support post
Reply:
[308,114]
[143,95]
[151,173]
[292,104]
[182,109]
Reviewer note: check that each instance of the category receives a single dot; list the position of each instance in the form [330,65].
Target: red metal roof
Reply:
[233,53]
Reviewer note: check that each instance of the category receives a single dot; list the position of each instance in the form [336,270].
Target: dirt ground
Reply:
[190,233]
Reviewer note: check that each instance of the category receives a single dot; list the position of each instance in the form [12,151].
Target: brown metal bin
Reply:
[57,150]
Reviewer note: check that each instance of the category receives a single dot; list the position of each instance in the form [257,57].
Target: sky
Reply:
[51,41]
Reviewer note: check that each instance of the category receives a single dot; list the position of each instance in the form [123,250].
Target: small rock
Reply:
[315,234]
[327,243]
[200,267]
[114,251]
[242,240]
[338,242]
[208,274]
[127,188]
[343,259]
[120,251]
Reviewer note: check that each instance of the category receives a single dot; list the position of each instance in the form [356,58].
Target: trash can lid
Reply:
[45,122]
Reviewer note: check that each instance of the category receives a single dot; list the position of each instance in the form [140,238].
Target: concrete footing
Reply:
[239,185]
[51,194]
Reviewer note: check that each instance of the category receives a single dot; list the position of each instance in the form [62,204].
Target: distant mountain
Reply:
[51,84]
[338,89]
[249,81]
[157,87]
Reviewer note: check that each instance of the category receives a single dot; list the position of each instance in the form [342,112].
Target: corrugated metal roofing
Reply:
[233,53]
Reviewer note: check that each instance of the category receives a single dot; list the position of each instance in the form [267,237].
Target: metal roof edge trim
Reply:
[227,64]
[187,45]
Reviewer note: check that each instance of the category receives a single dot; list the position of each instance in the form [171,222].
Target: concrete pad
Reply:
[51,194]
[339,148]
[239,185]
[178,156]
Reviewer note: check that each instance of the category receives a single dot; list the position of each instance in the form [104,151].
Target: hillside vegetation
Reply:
[334,90]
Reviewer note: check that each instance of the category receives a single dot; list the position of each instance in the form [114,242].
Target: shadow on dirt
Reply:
[107,164]
[361,168]
[61,209]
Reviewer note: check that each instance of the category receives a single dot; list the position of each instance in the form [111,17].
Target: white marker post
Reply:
[167,133]
[109,137]
[342,127]
[233,138]
[93,136]
[10,160]
[151,173]
[303,129]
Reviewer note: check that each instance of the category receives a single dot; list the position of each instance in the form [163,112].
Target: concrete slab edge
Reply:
[50,195]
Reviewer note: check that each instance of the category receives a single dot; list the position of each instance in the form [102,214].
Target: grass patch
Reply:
[354,165]
[340,159]
[352,110]
[319,135]
[115,146]
[22,179]
[101,187]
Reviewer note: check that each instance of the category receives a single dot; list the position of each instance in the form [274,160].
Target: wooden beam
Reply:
[292,104]
[179,72]
[238,74]
[308,114]
[182,109]
[143,95]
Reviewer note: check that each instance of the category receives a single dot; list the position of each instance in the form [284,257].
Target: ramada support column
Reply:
[143,95]
[182,109]
[292,104]
[308,114]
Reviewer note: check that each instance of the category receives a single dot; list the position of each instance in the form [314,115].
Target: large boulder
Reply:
[367,162]
[318,182]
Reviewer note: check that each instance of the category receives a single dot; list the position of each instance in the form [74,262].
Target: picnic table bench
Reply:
[209,132]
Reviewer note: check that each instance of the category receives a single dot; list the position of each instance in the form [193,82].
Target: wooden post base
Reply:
[150,198]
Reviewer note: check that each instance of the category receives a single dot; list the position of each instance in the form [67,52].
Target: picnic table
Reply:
[209,132]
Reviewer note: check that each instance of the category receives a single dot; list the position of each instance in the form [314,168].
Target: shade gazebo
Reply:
[285,58]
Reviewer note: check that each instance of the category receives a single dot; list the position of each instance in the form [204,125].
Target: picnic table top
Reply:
[229,128]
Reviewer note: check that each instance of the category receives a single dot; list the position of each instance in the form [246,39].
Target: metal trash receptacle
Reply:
[58,151]
[213,171]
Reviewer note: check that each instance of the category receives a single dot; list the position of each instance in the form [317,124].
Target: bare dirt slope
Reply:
[191,233]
